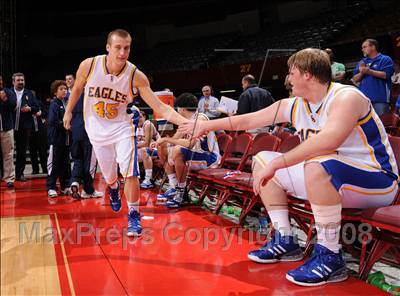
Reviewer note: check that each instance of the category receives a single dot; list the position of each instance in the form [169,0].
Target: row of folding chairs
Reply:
[233,177]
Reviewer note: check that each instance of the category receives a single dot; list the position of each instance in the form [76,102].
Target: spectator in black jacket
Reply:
[38,141]
[27,105]
[253,98]
[85,163]
[7,107]
[58,163]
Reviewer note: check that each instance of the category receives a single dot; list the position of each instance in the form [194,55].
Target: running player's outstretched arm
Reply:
[77,90]
[166,111]
[276,113]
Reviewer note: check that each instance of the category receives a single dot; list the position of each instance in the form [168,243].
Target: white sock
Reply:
[149,174]
[280,221]
[172,180]
[182,185]
[114,186]
[133,206]
[327,222]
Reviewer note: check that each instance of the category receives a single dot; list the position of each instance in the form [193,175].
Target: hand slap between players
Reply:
[195,128]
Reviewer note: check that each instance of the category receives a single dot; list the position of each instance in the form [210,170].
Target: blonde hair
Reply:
[120,33]
[314,61]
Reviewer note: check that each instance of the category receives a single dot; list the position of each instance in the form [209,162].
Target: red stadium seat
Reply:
[241,184]
[289,143]
[391,121]
[385,237]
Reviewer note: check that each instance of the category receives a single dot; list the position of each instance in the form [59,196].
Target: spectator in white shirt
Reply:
[208,104]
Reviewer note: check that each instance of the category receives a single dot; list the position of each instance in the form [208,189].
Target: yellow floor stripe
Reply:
[70,283]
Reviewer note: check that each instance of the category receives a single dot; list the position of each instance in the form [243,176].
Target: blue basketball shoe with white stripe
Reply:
[167,195]
[134,226]
[115,198]
[279,248]
[323,267]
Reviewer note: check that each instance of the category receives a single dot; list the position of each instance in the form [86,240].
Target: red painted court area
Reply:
[182,252]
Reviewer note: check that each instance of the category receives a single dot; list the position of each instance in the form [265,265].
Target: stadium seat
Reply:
[385,237]
[240,183]
[391,121]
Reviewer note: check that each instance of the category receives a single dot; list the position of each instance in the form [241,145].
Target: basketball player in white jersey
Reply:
[147,135]
[345,160]
[109,83]
[186,154]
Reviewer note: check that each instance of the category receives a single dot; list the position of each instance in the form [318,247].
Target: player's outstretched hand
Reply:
[194,128]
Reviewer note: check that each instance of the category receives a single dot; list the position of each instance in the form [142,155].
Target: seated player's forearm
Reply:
[321,144]
[261,118]
[180,142]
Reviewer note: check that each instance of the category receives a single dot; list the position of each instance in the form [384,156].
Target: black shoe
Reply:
[10,184]
[21,179]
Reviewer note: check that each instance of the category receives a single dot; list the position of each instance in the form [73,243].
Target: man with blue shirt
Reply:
[374,74]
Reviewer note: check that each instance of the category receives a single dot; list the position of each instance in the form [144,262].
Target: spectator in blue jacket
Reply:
[58,163]
[7,107]
[374,74]
[83,157]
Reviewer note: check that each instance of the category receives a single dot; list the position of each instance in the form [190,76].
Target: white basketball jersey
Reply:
[367,143]
[153,131]
[105,101]
[207,144]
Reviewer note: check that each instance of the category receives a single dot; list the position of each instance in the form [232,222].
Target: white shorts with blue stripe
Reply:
[123,154]
[360,186]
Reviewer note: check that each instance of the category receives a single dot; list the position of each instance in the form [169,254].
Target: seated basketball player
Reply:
[109,83]
[195,154]
[344,161]
[164,150]
[147,134]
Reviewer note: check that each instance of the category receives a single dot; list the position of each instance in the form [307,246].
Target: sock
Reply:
[182,185]
[114,186]
[280,221]
[179,194]
[327,223]
[133,206]
[149,175]
[173,181]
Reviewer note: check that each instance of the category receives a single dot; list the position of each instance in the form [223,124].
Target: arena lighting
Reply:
[227,91]
[266,57]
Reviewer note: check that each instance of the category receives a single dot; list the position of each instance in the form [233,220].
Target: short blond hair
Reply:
[120,33]
[314,61]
